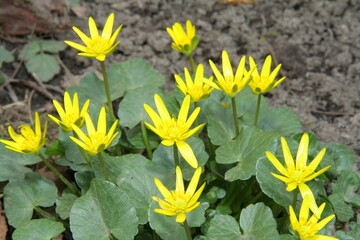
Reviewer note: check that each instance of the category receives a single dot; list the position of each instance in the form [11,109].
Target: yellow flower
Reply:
[179,201]
[228,82]
[97,46]
[265,81]
[296,174]
[196,89]
[174,130]
[97,140]
[29,141]
[70,114]
[307,228]
[184,42]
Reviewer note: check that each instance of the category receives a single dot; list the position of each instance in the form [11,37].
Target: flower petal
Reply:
[162,110]
[107,30]
[93,29]
[193,183]
[276,163]
[187,153]
[265,71]
[181,217]
[289,161]
[302,153]
[184,110]
[179,189]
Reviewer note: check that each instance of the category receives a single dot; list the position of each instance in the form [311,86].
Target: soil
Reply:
[316,41]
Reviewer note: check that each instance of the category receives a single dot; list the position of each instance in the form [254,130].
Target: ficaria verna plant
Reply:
[237,176]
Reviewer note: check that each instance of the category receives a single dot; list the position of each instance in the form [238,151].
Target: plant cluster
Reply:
[209,160]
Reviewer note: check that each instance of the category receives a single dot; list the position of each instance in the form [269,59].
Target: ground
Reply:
[316,41]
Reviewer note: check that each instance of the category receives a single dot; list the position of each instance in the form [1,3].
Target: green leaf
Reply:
[90,87]
[271,186]
[136,178]
[224,227]
[245,150]
[5,55]
[55,149]
[165,226]
[283,120]
[39,229]
[134,136]
[38,46]
[133,74]
[196,217]
[355,228]
[256,222]
[104,211]
[135,174]
[22,195]
[220,129]
[287,237]
[131,108]
[65,203]
[83,180]
[342,156]
[43,66]
[163,155]
[342,236]
[343,211]
[12,163]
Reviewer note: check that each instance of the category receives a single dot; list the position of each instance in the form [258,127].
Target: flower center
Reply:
[172,129]
[196,92]
[306,231]
[185,40]
[297,176]
[259,83]
[98,44]
[97,141]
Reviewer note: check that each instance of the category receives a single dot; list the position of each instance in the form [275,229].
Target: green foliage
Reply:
[244,151]
[104,212]
[256,222]
[22,195]
[13,164]
[39,229]
[5,55]
[42,65]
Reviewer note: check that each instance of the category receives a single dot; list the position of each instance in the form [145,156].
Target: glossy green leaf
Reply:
[271,186]
[256,222]
[136,178]
[163,155]
[39,46]
[341,157]
[64,204]
[131,108]
[355,228]
[220,129]
[245,150]
[43,66]
[133,74]
[104,211]
[283,120]
[5,55]
[39,229]
[22,195]
[55,149]
[12,163]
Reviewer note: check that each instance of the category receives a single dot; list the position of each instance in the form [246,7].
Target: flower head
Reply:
[97,140]
[174,130]
[265,81]
[70,114]
[295,174]
[184,42]
[228,82]
[179,201]
[307,228]
[97,46]
[197,89]
[29,141]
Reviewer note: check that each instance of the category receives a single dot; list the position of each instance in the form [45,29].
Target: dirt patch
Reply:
[316,41]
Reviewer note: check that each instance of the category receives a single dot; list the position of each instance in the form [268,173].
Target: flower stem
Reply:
[176,155]
[60,176]
[196,123]
[49,216]
[102,165]
[236,122]
[146,140]
[257,110]
[83,153]
[107,91]
[192,64]
[187,230]
[296,193]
